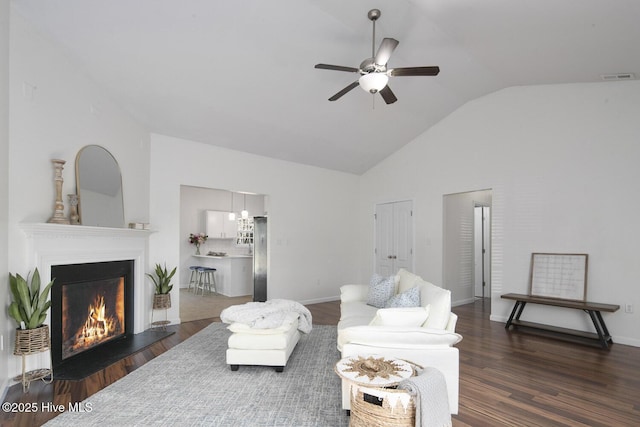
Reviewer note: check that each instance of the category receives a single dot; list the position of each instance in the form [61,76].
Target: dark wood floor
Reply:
[506,378]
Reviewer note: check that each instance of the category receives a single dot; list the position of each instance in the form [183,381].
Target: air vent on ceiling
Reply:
[620,76]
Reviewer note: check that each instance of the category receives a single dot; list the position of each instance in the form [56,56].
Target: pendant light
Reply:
[245,213]
[232,215]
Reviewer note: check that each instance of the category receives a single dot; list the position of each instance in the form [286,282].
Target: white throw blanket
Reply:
[267,315]
[430,393]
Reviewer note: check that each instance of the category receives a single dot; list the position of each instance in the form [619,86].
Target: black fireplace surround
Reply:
[87,275]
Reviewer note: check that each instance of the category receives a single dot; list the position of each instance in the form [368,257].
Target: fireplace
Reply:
[53,248]
[92,309]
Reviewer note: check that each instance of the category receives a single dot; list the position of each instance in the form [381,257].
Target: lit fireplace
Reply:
[91,310]
[100,319]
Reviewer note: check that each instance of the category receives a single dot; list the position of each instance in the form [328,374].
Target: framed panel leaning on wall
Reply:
[562,276]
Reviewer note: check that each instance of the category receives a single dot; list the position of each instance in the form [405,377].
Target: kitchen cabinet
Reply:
[219,226]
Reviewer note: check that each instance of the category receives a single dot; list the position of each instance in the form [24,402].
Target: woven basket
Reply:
[366,414]
[29,341]
[161,301]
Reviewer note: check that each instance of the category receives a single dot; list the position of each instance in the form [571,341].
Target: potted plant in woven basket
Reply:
[29,310]
[162,283]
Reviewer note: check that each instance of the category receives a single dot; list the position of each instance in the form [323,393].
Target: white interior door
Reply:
[394,237]
[403,236]
[384,239]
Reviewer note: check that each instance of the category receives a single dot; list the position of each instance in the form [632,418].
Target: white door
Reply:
[394,237]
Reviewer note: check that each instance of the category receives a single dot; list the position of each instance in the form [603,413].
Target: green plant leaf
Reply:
[23,314]
[172,273]
[43,317]
[23,292]
[33,322]
[14,311]
[13,284]
[44,295]
[35,285]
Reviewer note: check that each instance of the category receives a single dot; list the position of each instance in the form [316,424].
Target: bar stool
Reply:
[194,279]
[207,279]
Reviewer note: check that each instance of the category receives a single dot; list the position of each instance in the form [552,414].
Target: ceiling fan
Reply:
[373,71]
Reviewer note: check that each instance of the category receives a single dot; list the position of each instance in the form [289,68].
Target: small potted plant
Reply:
[197,239]
[162,283]
[29,310]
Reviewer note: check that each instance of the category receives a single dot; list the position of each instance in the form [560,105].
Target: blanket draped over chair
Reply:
[267,315]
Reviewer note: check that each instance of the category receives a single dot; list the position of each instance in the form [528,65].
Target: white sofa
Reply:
[402,332]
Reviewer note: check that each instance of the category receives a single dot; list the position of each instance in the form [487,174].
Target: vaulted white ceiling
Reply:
[239,73]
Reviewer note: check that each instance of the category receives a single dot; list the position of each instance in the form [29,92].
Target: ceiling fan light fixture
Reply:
[373,82]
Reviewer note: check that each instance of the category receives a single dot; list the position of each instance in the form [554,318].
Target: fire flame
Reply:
[97,326]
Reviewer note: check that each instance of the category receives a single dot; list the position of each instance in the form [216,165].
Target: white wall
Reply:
[562,162]
[55,111]
[50,117]
[312,220]
[4,187]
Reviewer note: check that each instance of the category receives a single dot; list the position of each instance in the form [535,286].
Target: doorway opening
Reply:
[229,248]
[467,246]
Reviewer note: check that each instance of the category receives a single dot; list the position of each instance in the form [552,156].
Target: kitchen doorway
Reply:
[232,250]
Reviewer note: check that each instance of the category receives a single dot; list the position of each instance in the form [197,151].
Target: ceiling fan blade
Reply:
[385,50]
[343,91]
[388,95]
[336,68]
[414,71]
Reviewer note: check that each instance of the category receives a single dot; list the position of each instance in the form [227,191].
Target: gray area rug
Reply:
[191,385]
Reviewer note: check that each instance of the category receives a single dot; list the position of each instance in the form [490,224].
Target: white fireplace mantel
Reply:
[34,229]
[60,244]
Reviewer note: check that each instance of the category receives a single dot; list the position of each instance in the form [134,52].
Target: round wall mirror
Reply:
[99,188]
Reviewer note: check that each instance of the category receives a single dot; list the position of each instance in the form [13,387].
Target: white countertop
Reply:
[223,257]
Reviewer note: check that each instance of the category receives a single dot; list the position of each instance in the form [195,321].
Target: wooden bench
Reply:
[594,310]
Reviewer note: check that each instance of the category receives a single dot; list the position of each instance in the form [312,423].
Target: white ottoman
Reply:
[264,347]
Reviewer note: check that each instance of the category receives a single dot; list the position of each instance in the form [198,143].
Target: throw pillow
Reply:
[380,290]
[402,316]
[409,298]
[440,301]
[406,280]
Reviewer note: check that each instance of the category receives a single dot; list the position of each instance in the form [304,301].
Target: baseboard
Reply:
[5,389]
[616,339]
[319,300]
[495,318]
[626,341]
[462,302]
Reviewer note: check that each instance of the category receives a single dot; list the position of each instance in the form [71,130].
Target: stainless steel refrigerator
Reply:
[260,258]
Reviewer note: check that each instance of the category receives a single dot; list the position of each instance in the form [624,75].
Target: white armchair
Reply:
[423,335]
